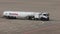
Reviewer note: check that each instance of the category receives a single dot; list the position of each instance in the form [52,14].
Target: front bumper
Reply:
[45,19]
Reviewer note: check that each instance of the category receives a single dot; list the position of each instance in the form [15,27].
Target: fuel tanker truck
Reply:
[26,15]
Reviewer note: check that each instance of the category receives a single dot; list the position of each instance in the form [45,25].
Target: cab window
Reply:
[46,14]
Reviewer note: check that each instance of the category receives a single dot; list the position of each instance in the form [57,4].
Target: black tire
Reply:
[30,17]
[47,19]
[27,18]
[11,17]
[44,19]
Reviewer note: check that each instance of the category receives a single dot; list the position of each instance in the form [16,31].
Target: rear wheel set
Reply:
[30,17]
[11,17]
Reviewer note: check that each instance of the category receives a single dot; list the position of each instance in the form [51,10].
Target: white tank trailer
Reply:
[26,15]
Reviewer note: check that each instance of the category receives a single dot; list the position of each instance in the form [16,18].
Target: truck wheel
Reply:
[47,19]
[30,17]
[11,17]
[44,19]
[27,18]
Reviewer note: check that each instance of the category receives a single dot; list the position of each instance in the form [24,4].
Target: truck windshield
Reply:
[45,14]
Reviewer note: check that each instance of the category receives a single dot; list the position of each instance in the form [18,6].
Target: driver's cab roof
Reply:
[45,13]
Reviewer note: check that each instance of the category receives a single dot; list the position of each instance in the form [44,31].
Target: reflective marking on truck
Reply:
[13,14]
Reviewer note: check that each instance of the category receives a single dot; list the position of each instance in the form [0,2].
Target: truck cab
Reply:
[42,16]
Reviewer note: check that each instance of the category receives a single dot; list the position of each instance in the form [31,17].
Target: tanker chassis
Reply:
[26,15]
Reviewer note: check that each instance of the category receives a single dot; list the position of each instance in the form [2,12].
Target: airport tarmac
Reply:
[17,26]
